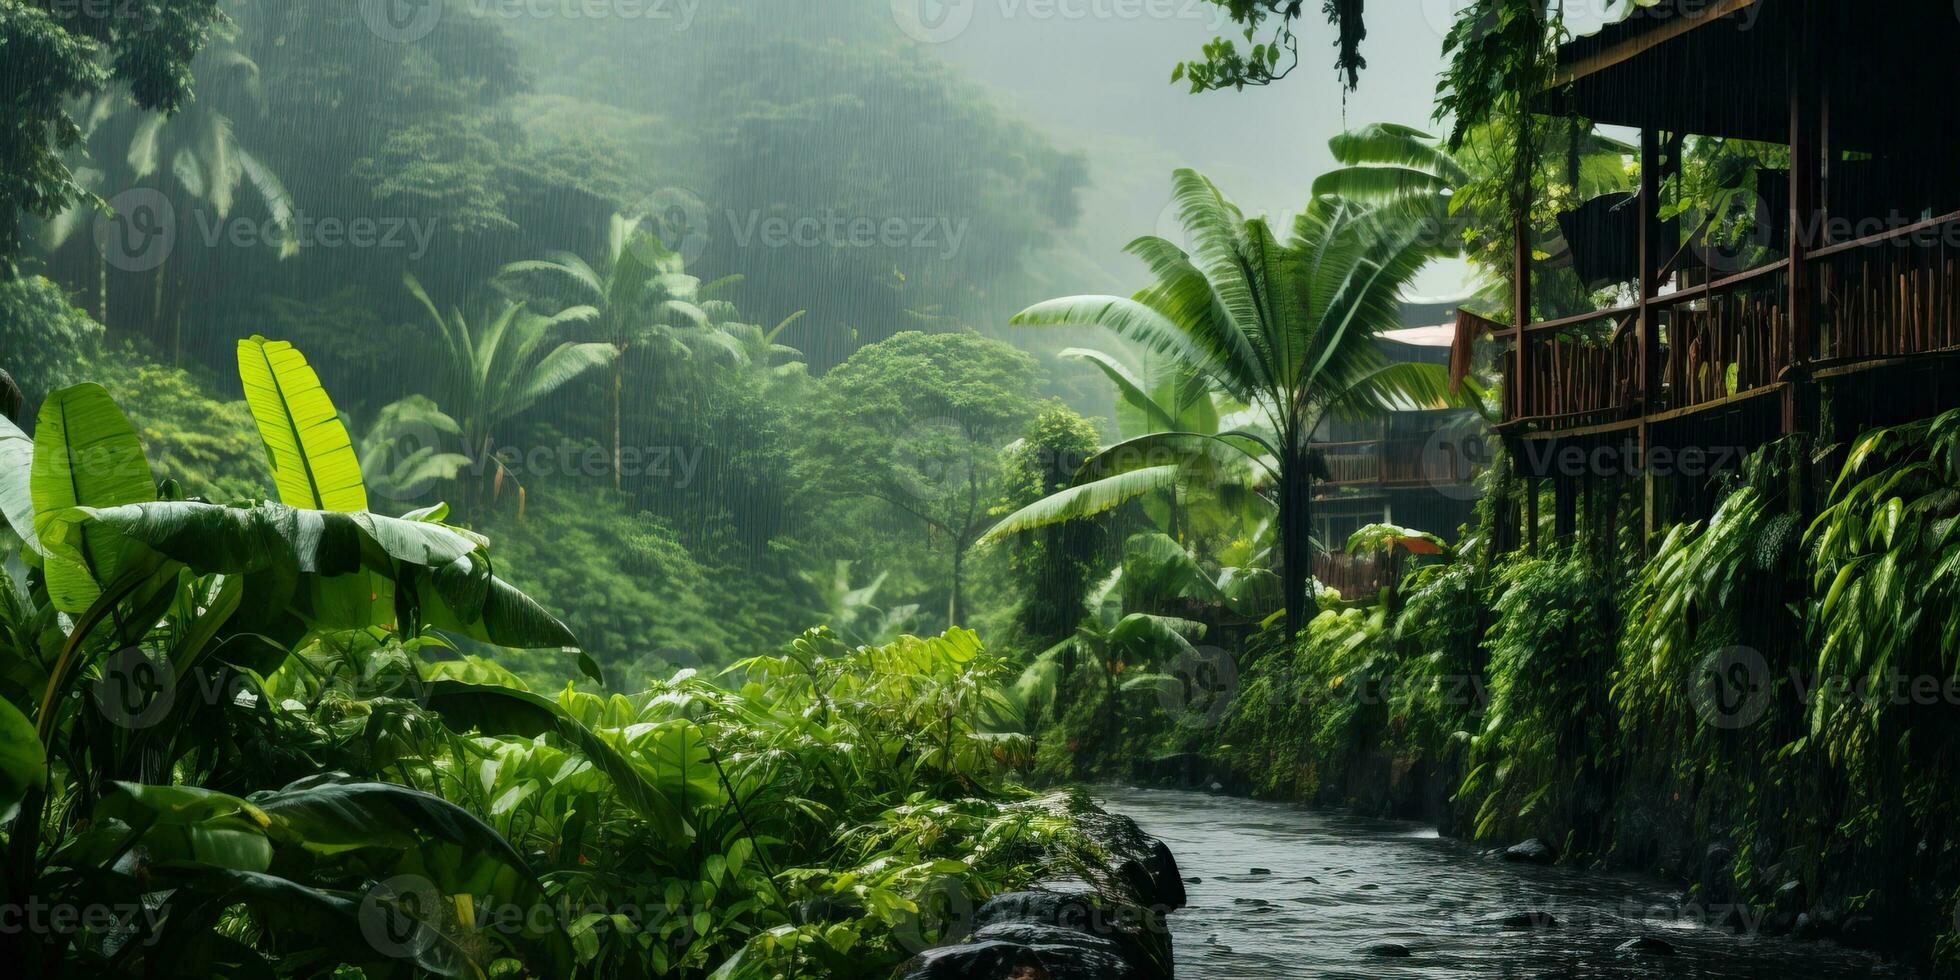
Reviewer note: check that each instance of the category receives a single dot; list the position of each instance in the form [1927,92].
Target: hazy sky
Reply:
[1095,75]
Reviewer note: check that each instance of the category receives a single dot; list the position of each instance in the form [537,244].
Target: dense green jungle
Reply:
[677,488]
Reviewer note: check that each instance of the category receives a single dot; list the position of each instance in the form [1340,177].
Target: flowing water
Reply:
[1330,885]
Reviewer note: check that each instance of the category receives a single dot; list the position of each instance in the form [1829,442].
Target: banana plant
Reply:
[402,454]
[164,601]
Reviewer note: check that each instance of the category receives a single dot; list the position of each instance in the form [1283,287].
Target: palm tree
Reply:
[497,369]
[1463,197]
[198,147]
[1288,329]
[1168,396]
[637,292]
[750,347]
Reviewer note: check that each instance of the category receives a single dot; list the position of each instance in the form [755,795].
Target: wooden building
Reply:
[1415,467]
[1842,311]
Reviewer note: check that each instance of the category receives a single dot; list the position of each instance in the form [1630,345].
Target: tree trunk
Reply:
[955,609]
[619,383]
[1296,536]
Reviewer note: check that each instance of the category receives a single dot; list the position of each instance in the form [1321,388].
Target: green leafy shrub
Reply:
[641,603]
[193,435]
[44,339]
[1302,712]
[1535,767]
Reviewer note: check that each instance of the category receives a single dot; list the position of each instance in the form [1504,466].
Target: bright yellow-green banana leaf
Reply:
[313,461]
[86,454]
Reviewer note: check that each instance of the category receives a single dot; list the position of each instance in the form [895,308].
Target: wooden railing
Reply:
[1890,295]
[1723,338]
[1712,341]
[1398,460]
[1424,460]
[1581,370]
[1352,463]
[1353,576]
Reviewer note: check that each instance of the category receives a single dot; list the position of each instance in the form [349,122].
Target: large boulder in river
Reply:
[1135,934]
[1094,912]
[1533,851]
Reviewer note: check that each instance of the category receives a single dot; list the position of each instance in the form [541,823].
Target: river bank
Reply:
[1282,891]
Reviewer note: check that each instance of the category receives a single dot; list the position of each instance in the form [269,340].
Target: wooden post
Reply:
[1564,513]
[1531,514]
[1649,275]
[1521,259]
[1648,319]
[1806,218]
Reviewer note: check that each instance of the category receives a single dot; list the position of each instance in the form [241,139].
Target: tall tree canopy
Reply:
[58,54]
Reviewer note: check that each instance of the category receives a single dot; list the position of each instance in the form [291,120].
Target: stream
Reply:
[1336,884]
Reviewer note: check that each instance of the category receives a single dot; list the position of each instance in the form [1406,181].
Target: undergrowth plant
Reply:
[1536,761]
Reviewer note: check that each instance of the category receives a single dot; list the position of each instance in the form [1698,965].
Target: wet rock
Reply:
[1789,898]
[1132,867]
[1136,935]
[1037,935]
[1194,881]
[1718,873]
[1098,915]
[1737,919]
[1646,946]
[1533,851]
[1386,949]
[1162,866]
[975,961]
[1369,888]
[1820,923]
[1522,920]
[1261,871]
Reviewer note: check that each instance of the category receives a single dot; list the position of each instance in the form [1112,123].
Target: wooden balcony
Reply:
[1739,354]
[1857,305]
[1401,460]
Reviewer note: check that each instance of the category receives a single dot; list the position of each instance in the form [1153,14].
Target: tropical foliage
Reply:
[1286,328]
[256,712]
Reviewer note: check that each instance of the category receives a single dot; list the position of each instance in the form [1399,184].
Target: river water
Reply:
[1332,885]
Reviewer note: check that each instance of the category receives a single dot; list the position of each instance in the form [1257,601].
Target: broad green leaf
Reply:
[23,765]
[1085,500]
[214,538]
[312,458]
[462,596]
[86,454]
[506,711]
[16,482]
